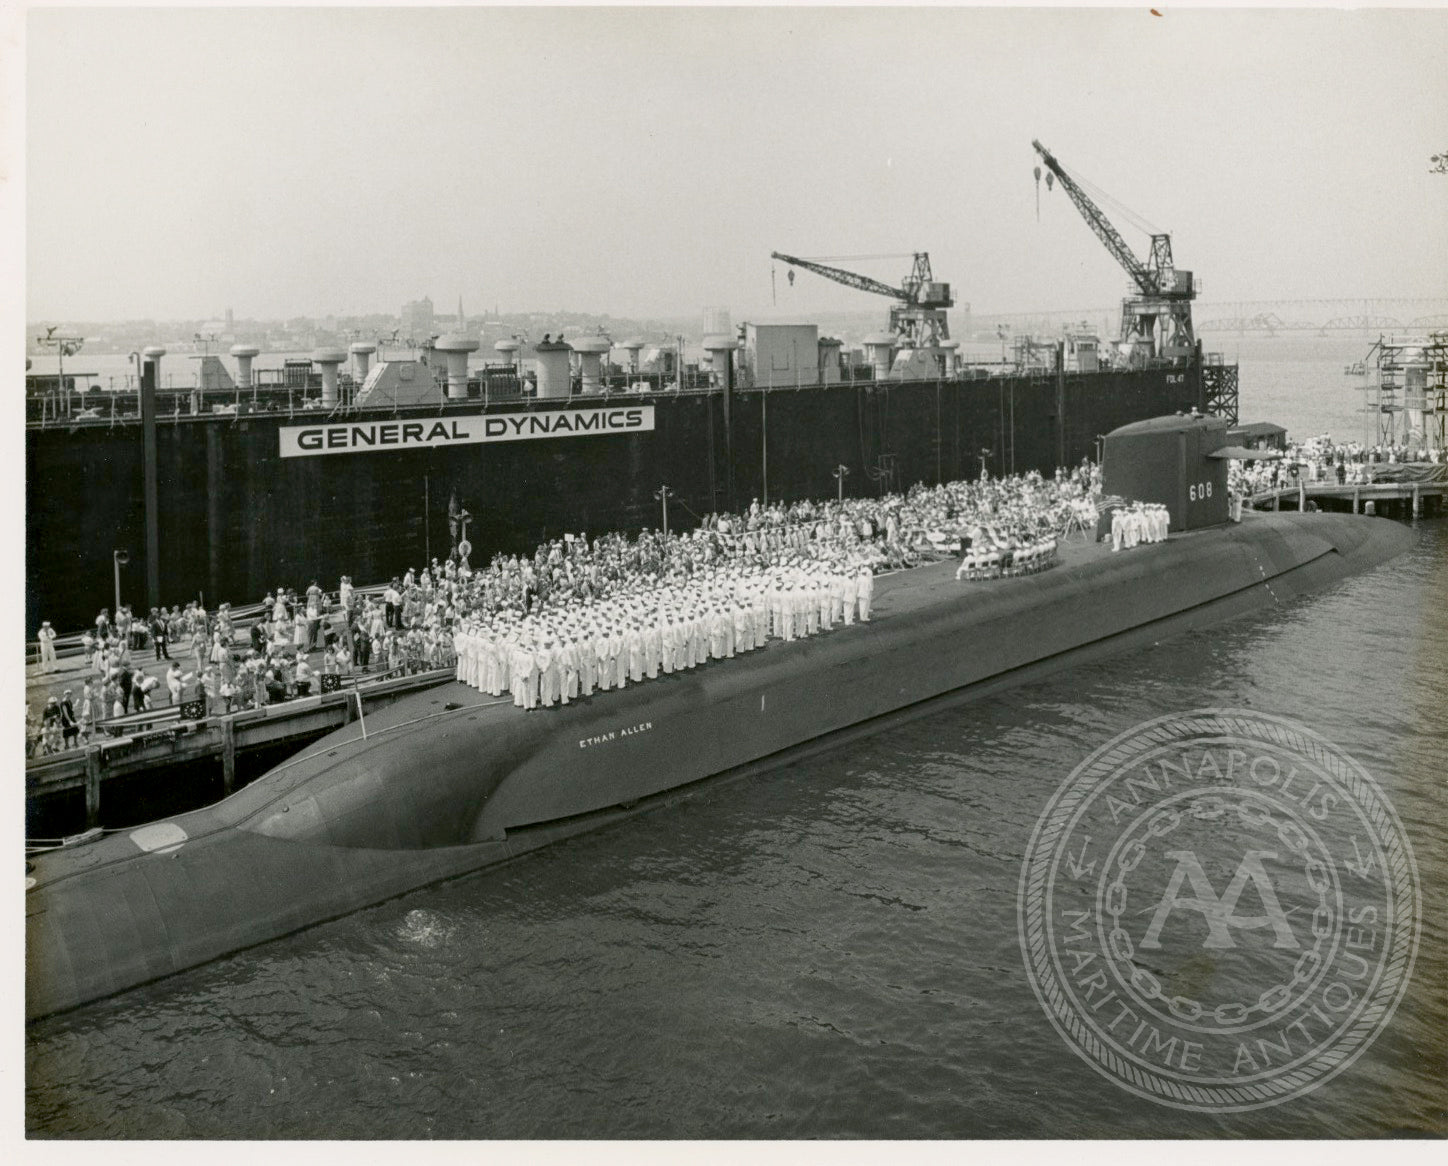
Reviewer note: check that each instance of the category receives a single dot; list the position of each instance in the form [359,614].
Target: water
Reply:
[1298,381]
[829,950]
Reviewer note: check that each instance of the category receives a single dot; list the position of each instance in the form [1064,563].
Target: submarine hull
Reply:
[450,780]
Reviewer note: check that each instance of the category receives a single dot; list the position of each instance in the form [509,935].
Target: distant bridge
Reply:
[1269,323]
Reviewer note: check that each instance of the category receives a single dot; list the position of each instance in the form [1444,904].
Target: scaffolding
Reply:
[1220,387]
[1406,402]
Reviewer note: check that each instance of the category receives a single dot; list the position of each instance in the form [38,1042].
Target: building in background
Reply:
[417,318]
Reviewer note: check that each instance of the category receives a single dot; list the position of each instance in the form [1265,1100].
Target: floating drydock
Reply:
[228,506]
[450,781]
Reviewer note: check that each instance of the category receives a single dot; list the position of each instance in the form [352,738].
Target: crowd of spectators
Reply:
[217,663]
[581,615]
[817,558]
[1321,459]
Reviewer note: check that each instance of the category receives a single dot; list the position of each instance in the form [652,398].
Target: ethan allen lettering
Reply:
[615,734]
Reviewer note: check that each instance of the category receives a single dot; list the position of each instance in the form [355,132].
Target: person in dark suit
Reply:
[69,722]
[160,635]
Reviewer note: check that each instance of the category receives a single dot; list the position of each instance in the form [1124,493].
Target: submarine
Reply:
[450,780]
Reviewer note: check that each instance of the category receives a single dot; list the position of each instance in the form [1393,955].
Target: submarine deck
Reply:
[1258,549]
[449,780]
[897,593]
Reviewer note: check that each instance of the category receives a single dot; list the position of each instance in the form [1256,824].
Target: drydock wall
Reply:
[236,519]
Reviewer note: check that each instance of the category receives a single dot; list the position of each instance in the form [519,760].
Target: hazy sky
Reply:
[646,161]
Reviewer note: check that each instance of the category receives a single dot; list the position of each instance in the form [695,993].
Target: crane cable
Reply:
[1102,196]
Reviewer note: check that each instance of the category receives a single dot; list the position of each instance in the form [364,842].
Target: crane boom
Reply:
[1101,225]
[848,278]
[1156,323]
[919,317]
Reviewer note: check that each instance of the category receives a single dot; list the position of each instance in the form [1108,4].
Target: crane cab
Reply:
[936,294]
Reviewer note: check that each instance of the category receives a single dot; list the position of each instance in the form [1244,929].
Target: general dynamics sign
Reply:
[374,436]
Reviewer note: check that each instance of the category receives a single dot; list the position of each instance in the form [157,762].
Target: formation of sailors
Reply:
[639,632]
[1141,522]
[583,616]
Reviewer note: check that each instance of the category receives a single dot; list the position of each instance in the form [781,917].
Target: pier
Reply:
[161,742]
[1408,499]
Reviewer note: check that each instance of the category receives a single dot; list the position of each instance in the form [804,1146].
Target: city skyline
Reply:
[621,161]
[1311,313]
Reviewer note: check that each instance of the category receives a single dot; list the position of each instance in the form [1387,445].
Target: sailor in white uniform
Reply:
[866,588]
[46,636]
